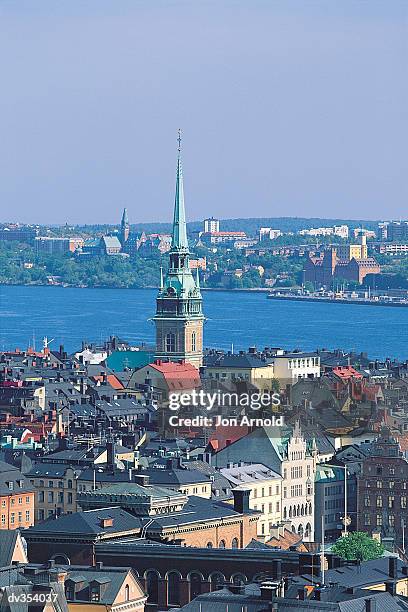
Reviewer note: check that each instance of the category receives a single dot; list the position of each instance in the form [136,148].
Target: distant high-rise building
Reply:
[124,227]
[179,317]
[397,231]
[211,225]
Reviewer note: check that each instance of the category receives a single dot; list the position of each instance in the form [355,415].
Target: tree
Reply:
[358,545]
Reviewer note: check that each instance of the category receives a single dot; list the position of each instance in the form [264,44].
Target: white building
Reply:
[298,471]
[268,233]
[265,487]
[290,367]
[211,225]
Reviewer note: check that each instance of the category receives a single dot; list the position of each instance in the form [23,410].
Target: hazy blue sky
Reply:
[288,107]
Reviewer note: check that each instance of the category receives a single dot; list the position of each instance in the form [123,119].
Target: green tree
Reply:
[358,545]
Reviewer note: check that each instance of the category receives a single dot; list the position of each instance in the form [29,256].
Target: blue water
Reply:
[242,318]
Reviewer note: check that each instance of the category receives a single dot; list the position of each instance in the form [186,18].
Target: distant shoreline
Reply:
[242,290]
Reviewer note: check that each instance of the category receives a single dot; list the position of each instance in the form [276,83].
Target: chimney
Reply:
[392,567]
[302,593]
[268,590]
[370,604]
[277,568]
[241,500]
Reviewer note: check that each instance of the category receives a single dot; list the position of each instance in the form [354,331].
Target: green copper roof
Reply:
[179,241]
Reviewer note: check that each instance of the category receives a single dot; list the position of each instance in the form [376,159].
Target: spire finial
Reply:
[179,142]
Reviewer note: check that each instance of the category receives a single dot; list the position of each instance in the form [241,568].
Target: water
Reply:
[71,315]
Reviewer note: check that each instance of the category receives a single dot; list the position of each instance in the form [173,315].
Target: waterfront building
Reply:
[179,316]
[110,245]
[348,262]
[51,246]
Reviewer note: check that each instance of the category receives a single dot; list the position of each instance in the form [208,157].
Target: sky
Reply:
[288,108]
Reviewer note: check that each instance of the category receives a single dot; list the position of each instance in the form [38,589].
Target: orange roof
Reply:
[111,380]
[225,434]
[346,372]
[178,376]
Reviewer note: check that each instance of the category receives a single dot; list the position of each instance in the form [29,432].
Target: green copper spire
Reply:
[179,241]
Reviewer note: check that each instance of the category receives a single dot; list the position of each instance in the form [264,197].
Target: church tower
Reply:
[124,227]
[179,317]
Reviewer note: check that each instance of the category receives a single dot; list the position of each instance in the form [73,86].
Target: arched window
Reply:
[170,343]
[239,579]
[285,514]
[216,581]
[290,512]
[221,544]
[308,530]
[234,543]
[152,586]
[173,589]
[127,593]
[209,544]
[195,585]
[193,342]
[69,484]
[300,530]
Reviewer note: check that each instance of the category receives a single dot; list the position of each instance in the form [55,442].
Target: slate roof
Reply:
[238,360]
[8,540]
[87,523]
[220,486]
[196,509]
[51,470]
[9,473]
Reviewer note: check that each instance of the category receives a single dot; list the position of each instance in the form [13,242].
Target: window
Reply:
[195,585]
[60,484]
[193,342]
[403,502]
[152,586]
[12,518]
[41,496]
[216,581]
[27,500]
[50,484]
[20,500]
[379,501]
[234,543]
[127,593]
[3,519]
[173,589]
[391,501]
[170,345]
[20,517]
[95,592]
[60,497]
[379,520]
[221,544]
[367,519]
[209,544]
[27,516]
[70,497]
[50,497]
[69,484]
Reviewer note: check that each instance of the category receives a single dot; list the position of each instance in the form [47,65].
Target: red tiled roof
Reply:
[111,380]
[346,372]
[178,376]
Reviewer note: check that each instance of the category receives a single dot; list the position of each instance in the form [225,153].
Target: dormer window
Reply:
[95,593]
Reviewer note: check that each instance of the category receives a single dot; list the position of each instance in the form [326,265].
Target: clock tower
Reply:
[179,316]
